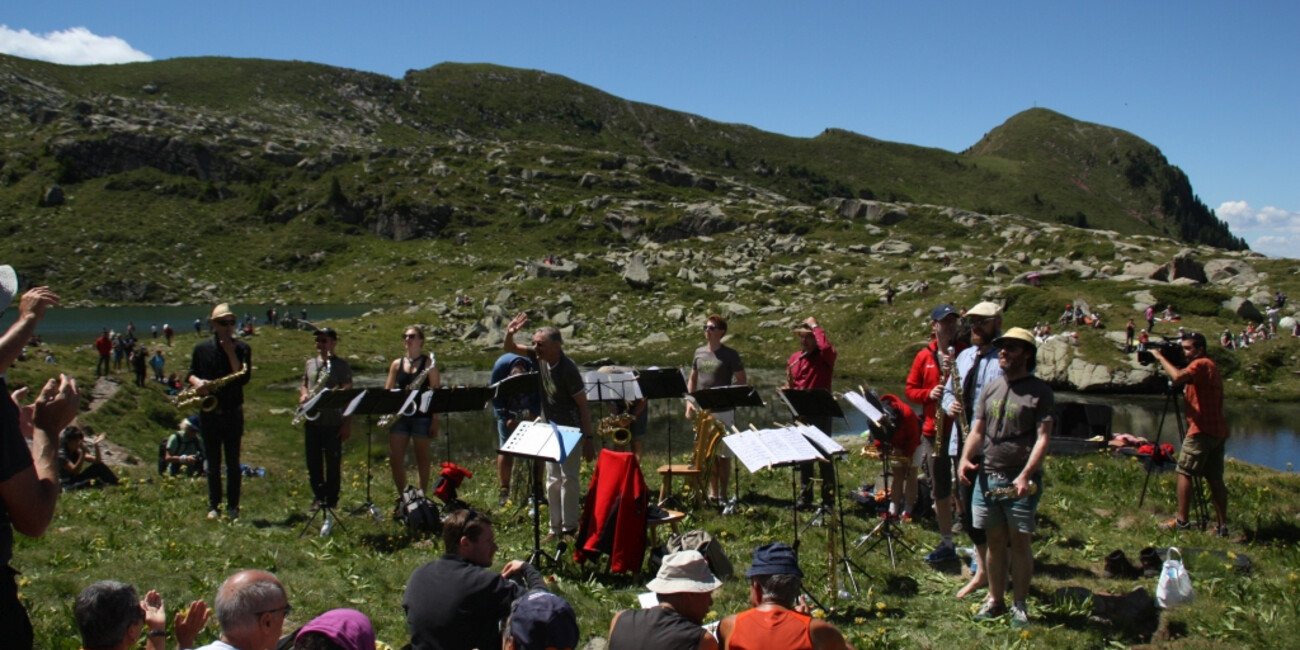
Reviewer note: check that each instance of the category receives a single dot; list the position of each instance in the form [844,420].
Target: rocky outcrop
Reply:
[1243,308]
[698,219]
[1179,268]
[124,152]
[877,212]
[412,221]
[1230,273]
[1058,366]
[636,274]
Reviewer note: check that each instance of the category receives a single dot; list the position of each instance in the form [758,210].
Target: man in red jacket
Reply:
[925,387]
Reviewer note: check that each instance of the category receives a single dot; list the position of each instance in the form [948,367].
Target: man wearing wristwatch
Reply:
[564,402]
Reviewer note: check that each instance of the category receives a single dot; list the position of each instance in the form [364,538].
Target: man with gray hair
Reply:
[109,617]
[776,621]
[564,402]
[251,608]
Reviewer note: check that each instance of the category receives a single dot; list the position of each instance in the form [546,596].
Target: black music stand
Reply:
[537,440]
[337,400]
[875,414]
[372,403]
[458,399]
[663,383]
[526,383]
[727,397]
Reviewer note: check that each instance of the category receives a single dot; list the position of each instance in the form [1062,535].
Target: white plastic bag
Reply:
[1175,586]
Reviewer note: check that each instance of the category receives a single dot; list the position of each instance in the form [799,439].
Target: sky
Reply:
[1212,84]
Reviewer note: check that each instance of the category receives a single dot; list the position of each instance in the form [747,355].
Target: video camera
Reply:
[1170,349]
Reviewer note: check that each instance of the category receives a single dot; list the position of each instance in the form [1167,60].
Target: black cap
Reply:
[327,331]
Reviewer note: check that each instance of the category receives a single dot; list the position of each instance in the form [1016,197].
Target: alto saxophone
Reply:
[322,376]
[190,397]
[940,427]
[389,420]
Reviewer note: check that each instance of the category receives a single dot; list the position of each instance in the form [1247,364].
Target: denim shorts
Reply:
[996,512]
[416,427]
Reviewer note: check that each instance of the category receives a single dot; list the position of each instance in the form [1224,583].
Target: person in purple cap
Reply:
[776,622]
[337,629]
[540,620]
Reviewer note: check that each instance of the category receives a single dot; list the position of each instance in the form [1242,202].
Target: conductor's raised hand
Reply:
[517,323]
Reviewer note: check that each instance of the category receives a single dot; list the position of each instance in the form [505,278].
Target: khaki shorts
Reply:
[1202,456]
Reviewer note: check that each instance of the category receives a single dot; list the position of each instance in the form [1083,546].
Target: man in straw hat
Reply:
[29,478]
[1013,425]
[684,586]
[775,622]
[223,426]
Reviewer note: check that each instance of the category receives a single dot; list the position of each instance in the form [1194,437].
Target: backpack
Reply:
[419,512]
[710,548]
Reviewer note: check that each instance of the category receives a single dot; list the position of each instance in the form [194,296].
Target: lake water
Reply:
[83,324]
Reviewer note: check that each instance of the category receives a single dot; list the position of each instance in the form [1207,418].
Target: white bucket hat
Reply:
[684,572]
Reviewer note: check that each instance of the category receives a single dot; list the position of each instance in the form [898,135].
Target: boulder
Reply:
[877,212]
[734,309]
[1234,273]
[1141,269]
[1243,308]
[676,314]
[561,268]
[52,197]
[657,337]
[892,247]
[636,274]
[1182,266]
[588,180]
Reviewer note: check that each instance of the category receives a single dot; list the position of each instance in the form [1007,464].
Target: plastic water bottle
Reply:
[327,527]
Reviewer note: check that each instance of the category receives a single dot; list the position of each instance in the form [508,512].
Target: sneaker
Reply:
[1118,566]
[1019,616]
[941,553]
[503,495]
[1175,524]
[1151,562]
[214,514]
[234,513]
[990,610]
[328,526]
[1221,531]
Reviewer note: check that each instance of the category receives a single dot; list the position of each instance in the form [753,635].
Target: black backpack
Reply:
[419,512]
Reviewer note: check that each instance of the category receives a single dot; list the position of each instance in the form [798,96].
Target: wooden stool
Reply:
[673,517]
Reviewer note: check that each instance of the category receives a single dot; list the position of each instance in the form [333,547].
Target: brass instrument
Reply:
[322,375]
[616,428]
[387,421]
[190,397]
[940,426]
[1009,492]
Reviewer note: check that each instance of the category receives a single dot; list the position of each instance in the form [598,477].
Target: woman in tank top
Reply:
[420,428]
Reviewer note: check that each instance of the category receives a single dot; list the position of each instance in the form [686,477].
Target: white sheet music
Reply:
[611,386]
[540,440]
[860,403]
[824,443]
[770,448]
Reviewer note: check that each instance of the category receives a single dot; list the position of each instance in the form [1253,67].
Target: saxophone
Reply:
[322,375]
[190,397]
[389,420]
[940,426]
[1009,492]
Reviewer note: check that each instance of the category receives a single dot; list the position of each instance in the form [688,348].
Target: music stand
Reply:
[337,400]
[457,399]
[541,441]
[875,414]
[525,383]
[663,383]
[727,398]
[372,403]
[835,452]
[809,406]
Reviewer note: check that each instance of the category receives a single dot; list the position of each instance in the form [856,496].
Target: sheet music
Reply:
[766,448]
[310,405]
[543,440]
[352,406]
[865,407]
[824,443]
[611,386]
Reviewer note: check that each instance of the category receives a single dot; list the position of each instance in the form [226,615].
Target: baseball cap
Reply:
[776,558]
[542,621]
[801,328]
[985,309]
[327,331]
[684,572]
[941,312]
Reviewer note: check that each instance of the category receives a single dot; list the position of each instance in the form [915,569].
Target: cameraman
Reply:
[1207,430]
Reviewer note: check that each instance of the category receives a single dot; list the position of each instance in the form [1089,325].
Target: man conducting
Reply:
[775,623]
[808,369]
[924,386]
[325,429]
[1012,428]
[715,364]
[564,403]
[684,586]
[227,361]
[456,602]
[1207,431]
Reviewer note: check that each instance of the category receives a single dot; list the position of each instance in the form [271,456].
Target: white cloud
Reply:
[1269,230]
[74,46]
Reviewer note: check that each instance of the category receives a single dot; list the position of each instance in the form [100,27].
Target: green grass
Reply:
[154,534]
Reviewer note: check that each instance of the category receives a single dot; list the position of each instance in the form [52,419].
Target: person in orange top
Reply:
[775,622]
[1207,431]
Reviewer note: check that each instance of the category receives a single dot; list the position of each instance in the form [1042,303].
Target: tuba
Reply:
[615,428]
[190,397]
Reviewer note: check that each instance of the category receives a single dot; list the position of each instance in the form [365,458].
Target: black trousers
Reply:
[324,457]
[827,470]
[15,627]
[223,432]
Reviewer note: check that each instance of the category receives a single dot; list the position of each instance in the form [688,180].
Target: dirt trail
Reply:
[103,391]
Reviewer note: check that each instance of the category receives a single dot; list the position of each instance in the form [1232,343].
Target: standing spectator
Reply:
[222,357]
[168,333]
[153,330]
[157,362]
[564,402]
[198,327]
[1012,428]
[140,364]
[1129,331]
[1207,431]
[251,608]
[130,330]
[1151,318]
[29,476]
[715,364]
[104,346]
[120,348]
[811,368]
[889,295]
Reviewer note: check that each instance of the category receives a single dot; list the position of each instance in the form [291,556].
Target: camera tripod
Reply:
[1200,509]
[884,531]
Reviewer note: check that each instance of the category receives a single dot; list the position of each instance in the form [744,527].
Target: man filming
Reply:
[1207,430]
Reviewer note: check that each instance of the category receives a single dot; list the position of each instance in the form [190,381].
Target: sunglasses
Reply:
[710,328]
[287,609]
[228,322]
[410,336]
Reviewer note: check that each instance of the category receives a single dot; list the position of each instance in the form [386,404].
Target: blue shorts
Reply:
[1003,512]
[415,427]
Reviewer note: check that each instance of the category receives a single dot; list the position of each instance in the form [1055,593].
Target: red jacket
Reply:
[922,378]
[615,512]
[814,369]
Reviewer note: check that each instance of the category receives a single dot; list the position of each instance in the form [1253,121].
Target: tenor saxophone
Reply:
[322,376]
[940,426]
[190,397]
[391,419]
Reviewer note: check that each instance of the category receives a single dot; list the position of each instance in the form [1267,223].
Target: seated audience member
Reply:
[251,608]
[685,588]
[337,629]
[110,618]
[775,621]
[184,449]
[79,466]
[456,602]
[540,620]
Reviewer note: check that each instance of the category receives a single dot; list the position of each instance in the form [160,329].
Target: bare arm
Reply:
[973,443]
[32,494]
[691,382]
[393,368]
[825,636]
[31,309]
[1035,459]
[1179,377]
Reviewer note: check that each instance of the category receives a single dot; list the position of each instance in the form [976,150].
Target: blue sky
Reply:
[1213,86]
